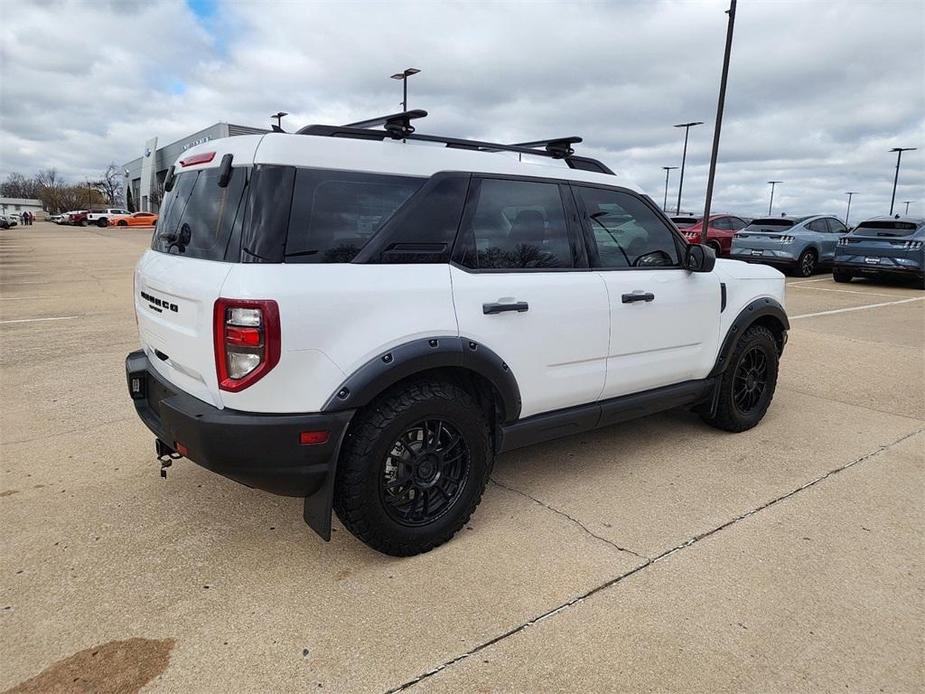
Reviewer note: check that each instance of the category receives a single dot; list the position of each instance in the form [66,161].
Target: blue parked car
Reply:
[797,244]
[883,246]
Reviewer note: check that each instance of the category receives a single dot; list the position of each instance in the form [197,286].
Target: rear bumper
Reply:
[907,267]
[768,256]
[258,450]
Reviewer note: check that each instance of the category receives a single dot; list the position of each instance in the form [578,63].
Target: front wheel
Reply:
[841,276]
[748,383]
[102,223]
[413,468]
[123,223]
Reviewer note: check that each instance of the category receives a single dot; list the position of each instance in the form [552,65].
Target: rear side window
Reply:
[835,226]
[334,213]
[626,232]
[515,225]
[198,216]
[818,225]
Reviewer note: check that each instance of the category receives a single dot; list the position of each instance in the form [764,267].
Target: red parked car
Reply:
[78,218]
[720,231]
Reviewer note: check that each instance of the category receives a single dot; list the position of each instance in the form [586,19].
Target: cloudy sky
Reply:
[818,91]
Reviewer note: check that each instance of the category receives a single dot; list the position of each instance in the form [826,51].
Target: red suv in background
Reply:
[720,230]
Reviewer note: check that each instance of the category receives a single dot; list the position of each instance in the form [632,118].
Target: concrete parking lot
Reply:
[655,555]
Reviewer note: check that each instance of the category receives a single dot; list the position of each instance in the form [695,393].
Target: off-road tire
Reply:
[373,432]
[841,276]
[807,263]
[728,416]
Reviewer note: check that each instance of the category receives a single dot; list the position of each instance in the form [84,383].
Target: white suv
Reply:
[101,217]
[366,316]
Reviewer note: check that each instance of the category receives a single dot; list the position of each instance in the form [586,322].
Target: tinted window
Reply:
[334,213]
[817,225]
[723,223]
[683,222]
[735,223]
[198,215]
[772,225]
[835,226]
[627,232]
[424,229]
[515,225]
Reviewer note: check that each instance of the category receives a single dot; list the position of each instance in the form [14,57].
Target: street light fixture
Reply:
[403,76]
[850,194]
[687,128]
[279,121]
[899,155]
[907,205]
[668,170]
[773,183]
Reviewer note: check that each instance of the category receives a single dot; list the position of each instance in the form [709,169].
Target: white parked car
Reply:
[356,316]
[101,217]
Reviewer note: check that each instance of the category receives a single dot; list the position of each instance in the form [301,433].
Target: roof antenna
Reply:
[278,128]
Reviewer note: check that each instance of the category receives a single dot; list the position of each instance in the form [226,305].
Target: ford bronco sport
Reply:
[366,316]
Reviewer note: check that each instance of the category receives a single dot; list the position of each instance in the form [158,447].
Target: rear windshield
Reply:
[684,222]
[198,217]
[885,228]
[773,224]
[274,214]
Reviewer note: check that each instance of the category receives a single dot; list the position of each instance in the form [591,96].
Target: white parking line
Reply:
[818,279]
[857,308]
[23,298]
[844,291]
[36,320]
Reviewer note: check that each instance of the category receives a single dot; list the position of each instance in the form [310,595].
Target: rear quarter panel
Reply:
[333,319]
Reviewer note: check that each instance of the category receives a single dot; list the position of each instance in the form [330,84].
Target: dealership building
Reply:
[144,176]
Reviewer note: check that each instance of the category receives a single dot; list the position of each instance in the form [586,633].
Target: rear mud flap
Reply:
[319,505]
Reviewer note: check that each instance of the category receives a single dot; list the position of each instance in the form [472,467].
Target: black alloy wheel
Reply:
[806,265]
[424,472]
[750,380]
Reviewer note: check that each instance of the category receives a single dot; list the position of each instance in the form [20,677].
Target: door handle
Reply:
[519,306]
[638,296]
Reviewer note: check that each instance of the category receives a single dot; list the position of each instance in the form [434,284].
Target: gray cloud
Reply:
[818,91]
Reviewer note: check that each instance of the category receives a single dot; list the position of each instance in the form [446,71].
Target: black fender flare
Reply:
[416,356]
[759,308]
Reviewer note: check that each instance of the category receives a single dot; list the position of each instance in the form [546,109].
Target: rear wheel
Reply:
[122,223]
[102,222]
[748,383]
[806,265]
[716,248]
[413,468]
[841,276]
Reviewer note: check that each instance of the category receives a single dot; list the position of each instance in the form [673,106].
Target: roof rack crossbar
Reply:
[398,126]
[559,147]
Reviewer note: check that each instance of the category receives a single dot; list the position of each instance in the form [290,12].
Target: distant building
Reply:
[20,205]
[144,176]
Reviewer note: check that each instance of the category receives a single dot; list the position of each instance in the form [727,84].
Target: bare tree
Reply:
[111,185]
[17,185]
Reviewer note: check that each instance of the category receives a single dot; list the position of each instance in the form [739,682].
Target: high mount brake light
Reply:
[246,337]
[203,158]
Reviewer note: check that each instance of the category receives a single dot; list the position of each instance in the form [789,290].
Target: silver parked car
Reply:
[797,244]
[883,246]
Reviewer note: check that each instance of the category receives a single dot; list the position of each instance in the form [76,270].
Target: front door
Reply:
[664,319]
[521,287]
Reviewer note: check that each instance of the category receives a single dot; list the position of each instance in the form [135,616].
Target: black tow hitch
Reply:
[165,455]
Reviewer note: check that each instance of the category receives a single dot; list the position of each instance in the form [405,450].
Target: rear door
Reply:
[664,320]
[179,279]
[522,288]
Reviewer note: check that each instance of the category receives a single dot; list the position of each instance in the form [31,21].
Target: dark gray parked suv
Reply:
[883,246]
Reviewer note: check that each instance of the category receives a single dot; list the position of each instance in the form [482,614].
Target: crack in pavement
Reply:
[664,555]
[573,520]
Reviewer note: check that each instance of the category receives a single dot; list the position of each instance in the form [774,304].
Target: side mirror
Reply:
[699,258]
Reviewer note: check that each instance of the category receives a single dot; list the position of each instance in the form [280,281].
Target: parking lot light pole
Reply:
[906,202]
[899,155]
[850,194]
[771,203]
[687,128]
[403,76]
[668,170]
[279,120]
[719,123]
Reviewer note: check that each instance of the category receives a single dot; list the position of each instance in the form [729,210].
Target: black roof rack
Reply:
[398,126]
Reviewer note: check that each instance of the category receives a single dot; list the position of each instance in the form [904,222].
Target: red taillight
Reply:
[247,341]
[203,158]
[312,438]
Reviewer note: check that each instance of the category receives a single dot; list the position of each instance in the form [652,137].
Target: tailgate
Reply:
[174,299]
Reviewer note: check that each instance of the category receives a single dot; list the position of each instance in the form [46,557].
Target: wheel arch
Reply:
[764,311]
[459,359]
